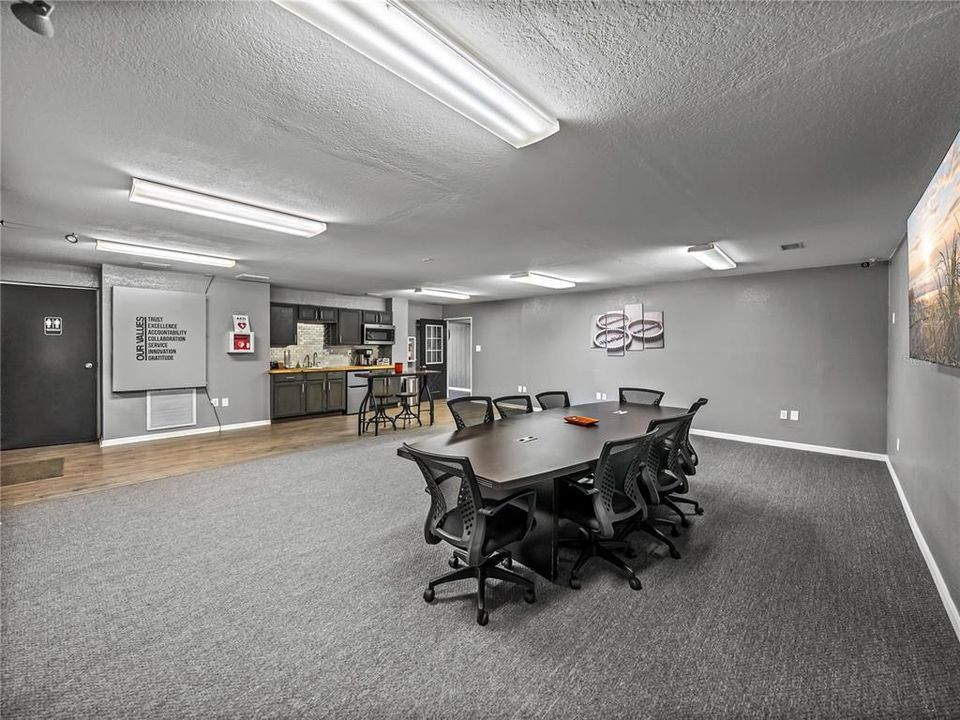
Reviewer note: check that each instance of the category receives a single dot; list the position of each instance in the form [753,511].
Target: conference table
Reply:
[531,451]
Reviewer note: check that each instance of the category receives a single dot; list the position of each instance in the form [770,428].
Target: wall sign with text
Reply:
[159,339]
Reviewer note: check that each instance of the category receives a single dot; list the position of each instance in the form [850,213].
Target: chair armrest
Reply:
[587,490]
[491,510]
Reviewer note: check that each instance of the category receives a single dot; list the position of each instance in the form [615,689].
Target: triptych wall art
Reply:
[626,330]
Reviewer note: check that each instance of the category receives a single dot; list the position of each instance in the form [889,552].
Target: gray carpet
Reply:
[290,587]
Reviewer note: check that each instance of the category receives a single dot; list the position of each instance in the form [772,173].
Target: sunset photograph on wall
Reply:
[933,238]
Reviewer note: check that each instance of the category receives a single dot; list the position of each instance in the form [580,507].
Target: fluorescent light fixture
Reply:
[124,248]
[146,192]
[532,278]
[436,292]
[252,278]
[407,44]
[712,256]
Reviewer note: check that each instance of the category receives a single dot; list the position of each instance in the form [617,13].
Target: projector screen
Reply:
[159,339]
[933,239]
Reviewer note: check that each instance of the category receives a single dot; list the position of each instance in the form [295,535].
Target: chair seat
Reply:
[578,507]
[503,528]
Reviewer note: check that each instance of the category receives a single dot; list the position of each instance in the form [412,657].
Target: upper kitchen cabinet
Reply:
[377,317]
[348,327]
[283,325]
[326,315]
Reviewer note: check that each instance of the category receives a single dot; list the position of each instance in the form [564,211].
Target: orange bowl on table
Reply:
[581,420]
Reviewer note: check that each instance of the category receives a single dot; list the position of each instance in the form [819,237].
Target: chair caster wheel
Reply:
[454,562]
[630,552]
[575,582]
[699,511]
[483,617]
[684,523]
[674,553]
[507,562]
[635,582]
[675,532]
[429,595]
[530,596]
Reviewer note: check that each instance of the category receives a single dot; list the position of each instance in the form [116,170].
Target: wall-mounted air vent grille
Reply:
[792,246]
[171,409]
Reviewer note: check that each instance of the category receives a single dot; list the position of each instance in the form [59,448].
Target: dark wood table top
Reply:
[388,371]
[500,460]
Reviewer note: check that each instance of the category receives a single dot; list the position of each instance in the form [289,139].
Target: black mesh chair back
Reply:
[509,405]
[553,399]
[471,410]
[662,473]
[640,396]
[687,452]
[616,472]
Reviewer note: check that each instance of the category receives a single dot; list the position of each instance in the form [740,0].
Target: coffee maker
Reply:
[363,356]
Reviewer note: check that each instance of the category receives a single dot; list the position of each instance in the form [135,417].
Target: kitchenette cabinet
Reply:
[349,327]
[283,325]
[307,393]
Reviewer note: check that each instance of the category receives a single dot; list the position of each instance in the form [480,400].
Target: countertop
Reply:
[334,368]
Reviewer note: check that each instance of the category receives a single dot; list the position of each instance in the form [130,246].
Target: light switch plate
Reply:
[225,402]
[794,414]
[524,389]
[478,348]
[598,396]
[603,396]
[783,414]
[215,402]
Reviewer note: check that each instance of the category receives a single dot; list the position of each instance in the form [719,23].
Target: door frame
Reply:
[469,390]
[99,324]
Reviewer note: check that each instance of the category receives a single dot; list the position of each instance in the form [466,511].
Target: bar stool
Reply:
[406,414]
[384,390]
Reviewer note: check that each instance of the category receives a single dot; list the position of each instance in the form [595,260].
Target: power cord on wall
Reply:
[206,390]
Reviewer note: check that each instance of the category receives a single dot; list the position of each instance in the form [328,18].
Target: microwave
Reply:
[378,335]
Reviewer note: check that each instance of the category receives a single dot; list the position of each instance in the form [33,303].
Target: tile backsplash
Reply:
[311,339]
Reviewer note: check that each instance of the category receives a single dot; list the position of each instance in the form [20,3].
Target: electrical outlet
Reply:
[603,396]
[524,389]
[794,414]
[598,396]
[783,414]
[898,444]
[519,388]
[225,402]
[478,348]
[215,402]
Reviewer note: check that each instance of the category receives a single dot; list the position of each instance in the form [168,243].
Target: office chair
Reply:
[553,399]
[471,410]
[478,529]
[509,405]
[662,467]
[640,396]
[687,456]
[611,496]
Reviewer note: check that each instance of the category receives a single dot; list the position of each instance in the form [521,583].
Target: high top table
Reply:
[535,449]
[389,372]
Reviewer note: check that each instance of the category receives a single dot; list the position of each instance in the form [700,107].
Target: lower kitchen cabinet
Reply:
[299,394]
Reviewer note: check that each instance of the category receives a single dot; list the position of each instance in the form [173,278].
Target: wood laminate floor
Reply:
[87,467]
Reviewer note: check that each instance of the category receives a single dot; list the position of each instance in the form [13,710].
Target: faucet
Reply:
[316,362]
[306,360]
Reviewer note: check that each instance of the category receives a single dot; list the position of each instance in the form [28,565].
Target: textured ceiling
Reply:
[752,124]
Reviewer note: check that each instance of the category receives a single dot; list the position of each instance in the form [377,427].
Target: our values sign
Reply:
[159,339]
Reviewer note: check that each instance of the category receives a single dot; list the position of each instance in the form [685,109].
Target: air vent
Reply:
[154,265]
[792,246]
[171,409]
[253,278]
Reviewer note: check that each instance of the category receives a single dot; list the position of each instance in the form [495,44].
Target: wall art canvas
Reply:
[627,329]
[933,239]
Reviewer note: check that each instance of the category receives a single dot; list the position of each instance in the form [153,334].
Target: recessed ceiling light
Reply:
[71,238]
[426,259]
[254,278]
[532,278]
[437,292]
[404,42]
[124,248]
[712,256]
[146,192]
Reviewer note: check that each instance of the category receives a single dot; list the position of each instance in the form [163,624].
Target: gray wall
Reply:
[813,340]
[923,410]
[417,311]
[27,271]
[242,378]
[312,297]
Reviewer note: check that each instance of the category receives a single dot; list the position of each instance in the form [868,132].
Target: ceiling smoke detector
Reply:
[71,238]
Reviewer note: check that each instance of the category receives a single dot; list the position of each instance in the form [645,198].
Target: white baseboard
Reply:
[181,433]
[825,449]
[948,603]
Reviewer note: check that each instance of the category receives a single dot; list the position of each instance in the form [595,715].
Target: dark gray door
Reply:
[432,354]
[48,367]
